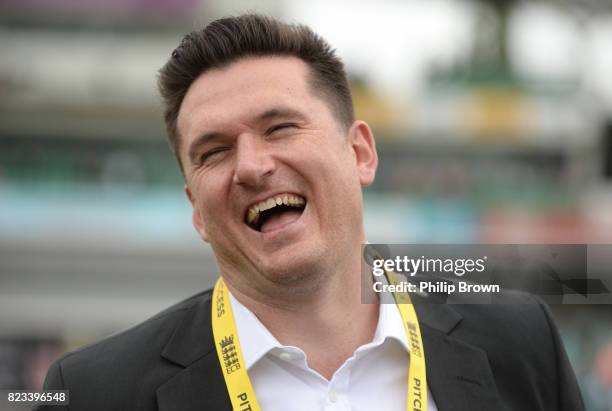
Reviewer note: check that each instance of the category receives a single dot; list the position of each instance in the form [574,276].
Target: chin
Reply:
[295,274]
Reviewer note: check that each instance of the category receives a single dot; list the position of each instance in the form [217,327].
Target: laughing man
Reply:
[260,117]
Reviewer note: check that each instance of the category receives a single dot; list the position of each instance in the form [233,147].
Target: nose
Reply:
[254,162]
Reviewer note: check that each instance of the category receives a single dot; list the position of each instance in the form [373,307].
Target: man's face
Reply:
[274,180]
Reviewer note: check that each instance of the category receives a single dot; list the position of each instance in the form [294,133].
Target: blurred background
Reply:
[493,121]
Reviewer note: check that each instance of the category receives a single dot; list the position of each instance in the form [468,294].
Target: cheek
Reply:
[330,175]
[212,196]
[342,172]
[337,184]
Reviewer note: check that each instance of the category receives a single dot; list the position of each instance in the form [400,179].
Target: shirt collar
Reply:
[256,340]
[390,323]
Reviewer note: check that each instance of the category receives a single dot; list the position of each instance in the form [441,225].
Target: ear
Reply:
[196,217]
[363,145]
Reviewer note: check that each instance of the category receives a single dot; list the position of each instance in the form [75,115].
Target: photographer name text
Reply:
[435,287]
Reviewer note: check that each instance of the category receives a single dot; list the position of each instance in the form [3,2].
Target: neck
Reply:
[334,317]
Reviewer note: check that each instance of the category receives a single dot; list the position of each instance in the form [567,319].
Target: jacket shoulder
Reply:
[125,365]
[149,335]
[525,351]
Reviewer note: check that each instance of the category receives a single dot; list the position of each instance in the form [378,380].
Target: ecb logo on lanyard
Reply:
[229,353]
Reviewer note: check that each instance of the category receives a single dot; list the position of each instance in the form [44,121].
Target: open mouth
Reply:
[275,212]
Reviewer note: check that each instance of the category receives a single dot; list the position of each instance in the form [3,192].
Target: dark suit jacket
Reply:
[479,357]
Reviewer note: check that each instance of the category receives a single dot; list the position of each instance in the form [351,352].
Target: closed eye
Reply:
[210,154]
[278,127]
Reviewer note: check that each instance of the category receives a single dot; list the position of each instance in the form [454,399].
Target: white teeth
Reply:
[287,199]
[252,215]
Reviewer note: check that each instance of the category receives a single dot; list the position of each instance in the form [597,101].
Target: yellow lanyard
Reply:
[417,377]
[238,383]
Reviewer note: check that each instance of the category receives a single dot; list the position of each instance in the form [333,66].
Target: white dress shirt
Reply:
[375,377]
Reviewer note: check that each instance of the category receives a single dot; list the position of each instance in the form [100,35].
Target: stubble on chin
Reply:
[289,285]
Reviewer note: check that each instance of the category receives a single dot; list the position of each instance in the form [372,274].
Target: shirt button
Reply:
[285,356]
[332,395]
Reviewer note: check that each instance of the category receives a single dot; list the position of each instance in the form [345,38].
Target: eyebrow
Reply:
[280,112]
[275,112]
[194,148]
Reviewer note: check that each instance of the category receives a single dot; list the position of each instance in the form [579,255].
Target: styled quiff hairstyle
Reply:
[229,39]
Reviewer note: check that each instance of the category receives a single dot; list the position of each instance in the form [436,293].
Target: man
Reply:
[260,118]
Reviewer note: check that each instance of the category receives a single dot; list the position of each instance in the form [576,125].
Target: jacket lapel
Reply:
[458,374]
[200,386]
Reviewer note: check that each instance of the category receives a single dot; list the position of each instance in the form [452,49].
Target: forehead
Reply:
[233,94]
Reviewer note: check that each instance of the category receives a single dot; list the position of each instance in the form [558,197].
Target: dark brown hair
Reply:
[229,39]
